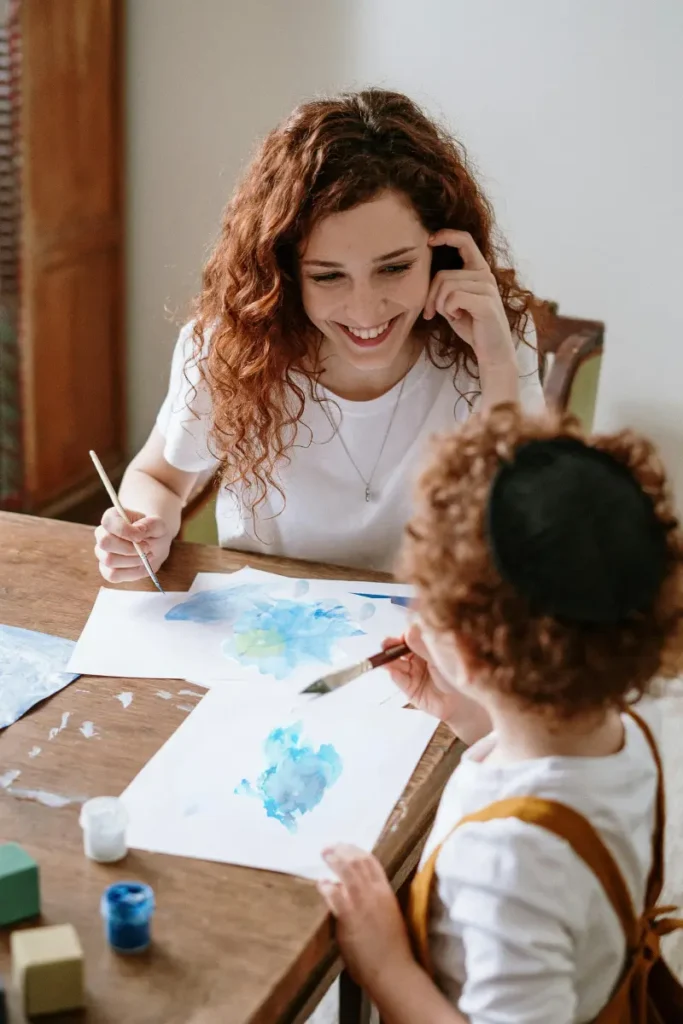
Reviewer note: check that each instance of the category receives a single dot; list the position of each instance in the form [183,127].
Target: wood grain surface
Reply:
[231,945]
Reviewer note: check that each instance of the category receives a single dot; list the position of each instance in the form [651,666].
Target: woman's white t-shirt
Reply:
[324,516]
[521,931]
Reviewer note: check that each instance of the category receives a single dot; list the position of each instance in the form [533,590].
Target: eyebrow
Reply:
[378,259]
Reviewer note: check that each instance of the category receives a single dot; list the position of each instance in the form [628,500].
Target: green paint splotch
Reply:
[296,777]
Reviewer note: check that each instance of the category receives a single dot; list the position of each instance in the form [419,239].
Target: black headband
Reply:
[572,531]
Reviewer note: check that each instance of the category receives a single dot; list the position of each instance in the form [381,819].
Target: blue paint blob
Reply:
[32,667]
[297,776]
[215,605]
[127,909]
[279,636]
[276,635]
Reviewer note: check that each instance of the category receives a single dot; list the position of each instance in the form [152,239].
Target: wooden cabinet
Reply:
[71,338]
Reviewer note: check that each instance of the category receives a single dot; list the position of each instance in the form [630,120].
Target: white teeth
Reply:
[370,332]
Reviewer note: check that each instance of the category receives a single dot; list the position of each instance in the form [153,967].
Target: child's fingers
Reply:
[415,641]
[333,894]
[350,865]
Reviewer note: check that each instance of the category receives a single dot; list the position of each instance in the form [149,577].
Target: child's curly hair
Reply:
[567,667]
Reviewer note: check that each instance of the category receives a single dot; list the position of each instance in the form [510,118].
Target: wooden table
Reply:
[231,945]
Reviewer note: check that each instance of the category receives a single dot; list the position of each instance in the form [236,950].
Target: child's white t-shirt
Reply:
[325,516]
[521,931]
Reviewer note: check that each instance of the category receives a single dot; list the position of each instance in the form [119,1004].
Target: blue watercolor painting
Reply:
[276,635]
[296,777]
[31,669]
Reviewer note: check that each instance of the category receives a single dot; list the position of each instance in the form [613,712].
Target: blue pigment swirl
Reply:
[276,635]
[296,778]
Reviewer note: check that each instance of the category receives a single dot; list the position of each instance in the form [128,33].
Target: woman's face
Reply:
[365,275]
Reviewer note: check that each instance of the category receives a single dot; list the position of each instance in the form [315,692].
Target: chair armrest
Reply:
[570,354]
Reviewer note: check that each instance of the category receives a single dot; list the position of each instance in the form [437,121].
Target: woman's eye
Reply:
[396,268]
[322,278]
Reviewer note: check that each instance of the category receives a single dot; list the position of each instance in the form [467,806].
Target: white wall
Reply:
[571,109]
[574,112]
[205,80]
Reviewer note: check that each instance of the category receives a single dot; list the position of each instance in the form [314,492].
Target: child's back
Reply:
[514,904]
[549,574]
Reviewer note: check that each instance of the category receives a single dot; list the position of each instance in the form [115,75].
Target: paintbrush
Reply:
[346,675]
[124,515]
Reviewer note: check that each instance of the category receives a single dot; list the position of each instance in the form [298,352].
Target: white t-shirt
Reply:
[521,931]
[325,516]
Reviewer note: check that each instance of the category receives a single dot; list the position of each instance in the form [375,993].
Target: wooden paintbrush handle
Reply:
[391,654]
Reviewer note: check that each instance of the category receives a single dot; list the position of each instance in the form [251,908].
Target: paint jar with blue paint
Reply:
[127,909]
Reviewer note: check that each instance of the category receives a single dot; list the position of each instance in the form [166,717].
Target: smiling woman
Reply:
[355,304]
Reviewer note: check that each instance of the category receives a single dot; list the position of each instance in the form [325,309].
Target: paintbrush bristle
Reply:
[336,679]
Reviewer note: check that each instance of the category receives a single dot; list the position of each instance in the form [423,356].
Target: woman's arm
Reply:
[153,493]
[152,486]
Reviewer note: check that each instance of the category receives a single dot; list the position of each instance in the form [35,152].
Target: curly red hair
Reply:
[328,156]
[568,668]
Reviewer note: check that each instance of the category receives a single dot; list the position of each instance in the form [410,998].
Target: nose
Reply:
[366,306]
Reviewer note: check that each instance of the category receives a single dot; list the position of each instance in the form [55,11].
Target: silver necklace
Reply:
[336,428]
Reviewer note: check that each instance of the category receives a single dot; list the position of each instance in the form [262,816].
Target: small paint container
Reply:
[104,821]
[127,909]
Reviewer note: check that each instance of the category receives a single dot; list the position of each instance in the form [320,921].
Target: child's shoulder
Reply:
[615,794]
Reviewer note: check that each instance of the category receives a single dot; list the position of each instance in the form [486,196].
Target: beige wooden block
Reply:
[47,968]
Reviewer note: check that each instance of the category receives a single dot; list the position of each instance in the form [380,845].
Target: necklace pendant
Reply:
[367,493]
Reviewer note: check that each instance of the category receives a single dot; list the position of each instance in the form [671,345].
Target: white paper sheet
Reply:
[400,593]
[285,631]
[328,778]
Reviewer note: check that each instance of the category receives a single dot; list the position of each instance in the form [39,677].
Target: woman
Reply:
[354,304]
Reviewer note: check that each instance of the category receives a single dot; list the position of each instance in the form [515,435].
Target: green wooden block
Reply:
[19,884]
[47,969]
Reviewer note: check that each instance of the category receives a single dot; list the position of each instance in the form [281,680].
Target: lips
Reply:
[369,337]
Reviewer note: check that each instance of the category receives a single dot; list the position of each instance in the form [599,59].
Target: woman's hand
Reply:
[119,561]
[428,690]
[469,299]
[371,933]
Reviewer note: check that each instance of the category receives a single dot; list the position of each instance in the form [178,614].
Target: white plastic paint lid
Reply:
[104,813]
[104,820]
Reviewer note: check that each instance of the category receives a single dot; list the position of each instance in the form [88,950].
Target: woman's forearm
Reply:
[499,384]
[141,492]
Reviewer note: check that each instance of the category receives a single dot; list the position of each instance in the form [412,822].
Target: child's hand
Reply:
[427,689]
[370,929]
[420,679]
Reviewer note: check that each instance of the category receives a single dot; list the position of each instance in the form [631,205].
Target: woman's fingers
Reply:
[444,288]
[452,303]
[462,241]
[124,575]
[111,561]
[110,543]
[115,524]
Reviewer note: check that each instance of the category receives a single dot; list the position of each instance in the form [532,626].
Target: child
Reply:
[548,572]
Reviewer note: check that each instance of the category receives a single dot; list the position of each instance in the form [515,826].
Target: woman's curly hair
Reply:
[251,332]
[569,668]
